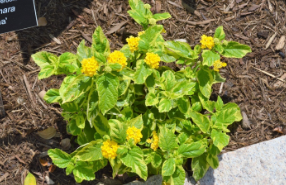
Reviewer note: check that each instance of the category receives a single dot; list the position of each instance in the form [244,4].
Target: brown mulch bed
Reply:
[251,81]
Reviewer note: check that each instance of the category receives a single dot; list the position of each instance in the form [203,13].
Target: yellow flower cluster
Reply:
[109,149]
[141,33]
[155,143]
[218,64]
[207,42]
[152,60]
[89,66]
[117,57]
[135,133]
[133,43]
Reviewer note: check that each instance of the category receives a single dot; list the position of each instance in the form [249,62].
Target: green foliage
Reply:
[141,13]
[235,50]
[200,166]
[192,150]
[212,158]
[209,57]
[107,86]
[52,96]
[100,44]
[90,152]
[219,138]
[178,177]
[134,159]
[169,167]
[219,33]
[59,157]
[149,39]
[205,80]
[167,139]
[142,72]
[169,111]
[202,121]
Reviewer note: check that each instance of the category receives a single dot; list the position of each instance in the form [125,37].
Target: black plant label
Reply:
[17,15]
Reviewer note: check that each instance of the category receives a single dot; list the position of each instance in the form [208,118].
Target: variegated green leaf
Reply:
[107,86]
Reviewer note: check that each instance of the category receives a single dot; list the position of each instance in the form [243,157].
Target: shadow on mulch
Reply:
[60,15]
[21,153]
[20,149]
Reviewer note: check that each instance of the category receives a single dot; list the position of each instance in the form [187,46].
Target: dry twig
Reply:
[27,85]
[86,37]
[269,74]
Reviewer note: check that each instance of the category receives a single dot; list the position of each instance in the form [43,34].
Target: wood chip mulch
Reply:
[256,82]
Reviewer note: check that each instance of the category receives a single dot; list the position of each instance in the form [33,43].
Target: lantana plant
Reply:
[126,110]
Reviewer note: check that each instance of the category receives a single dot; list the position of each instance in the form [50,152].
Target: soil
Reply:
[251,82]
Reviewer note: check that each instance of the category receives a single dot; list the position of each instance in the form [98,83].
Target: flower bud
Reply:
[107,69]
[179,161]
[225,42]
[147,6]
[152,21]
[216,41]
